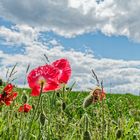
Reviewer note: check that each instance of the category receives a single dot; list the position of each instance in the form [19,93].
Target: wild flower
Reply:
[49,76]
[7,95]
[25,108]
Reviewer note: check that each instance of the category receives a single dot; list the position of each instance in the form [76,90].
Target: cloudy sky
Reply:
[103,35]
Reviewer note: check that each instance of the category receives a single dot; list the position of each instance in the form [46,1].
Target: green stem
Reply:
[19,126]
[8,125]
[86,122]
[102,120]
[39,131]
[34,114]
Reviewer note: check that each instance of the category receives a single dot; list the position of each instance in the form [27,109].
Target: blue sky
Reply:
[103,46]
[115,47]
[103,36]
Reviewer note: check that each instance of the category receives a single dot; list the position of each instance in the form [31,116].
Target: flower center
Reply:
[42,81]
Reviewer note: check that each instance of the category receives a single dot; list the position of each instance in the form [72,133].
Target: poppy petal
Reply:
[51,85]
[8,88]
[65,70]
[50,72]
[35,91]
[8,102]
[20,109]
[34,76]
[27,107]
[14,95]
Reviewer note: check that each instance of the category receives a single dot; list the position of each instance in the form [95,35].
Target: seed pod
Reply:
[16,115]
[33,106]
[135,137]
[24,98]
[58,103]
[136,124]
[67,88]
[1,82]
[0,108]
[42,119]
[58,94]
[88,101]
[87,136]
[119,133]
[63,105]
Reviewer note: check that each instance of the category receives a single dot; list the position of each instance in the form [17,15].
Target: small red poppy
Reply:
[8,88]
[7,95]
[25,108]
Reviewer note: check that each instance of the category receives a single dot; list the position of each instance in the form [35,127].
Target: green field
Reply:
[61,116]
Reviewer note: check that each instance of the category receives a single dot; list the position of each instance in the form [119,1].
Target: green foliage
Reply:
[61,116]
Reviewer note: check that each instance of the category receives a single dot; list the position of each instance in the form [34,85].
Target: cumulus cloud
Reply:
[123,76]
[18,34]
[73,17]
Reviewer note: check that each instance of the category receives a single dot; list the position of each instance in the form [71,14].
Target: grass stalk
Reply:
[34,114]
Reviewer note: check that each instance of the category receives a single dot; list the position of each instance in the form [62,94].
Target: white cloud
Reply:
[18,34]
[74,17]
[123,75]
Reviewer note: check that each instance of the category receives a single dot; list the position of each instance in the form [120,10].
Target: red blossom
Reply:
[25,108]
[44,74]
[51,76]
[65,69]
[8,88]
[7,95]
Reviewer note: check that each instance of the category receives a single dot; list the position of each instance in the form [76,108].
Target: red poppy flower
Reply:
[46,75]
[8,95]
[65,70]
[25,108]
[51,76]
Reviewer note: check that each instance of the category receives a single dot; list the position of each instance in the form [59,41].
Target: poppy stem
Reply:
[19,126]
[34,114]
[103,121]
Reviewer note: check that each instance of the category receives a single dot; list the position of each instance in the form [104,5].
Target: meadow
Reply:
[50,110]
[61,116]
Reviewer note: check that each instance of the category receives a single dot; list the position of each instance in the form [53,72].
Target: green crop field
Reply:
[60,116]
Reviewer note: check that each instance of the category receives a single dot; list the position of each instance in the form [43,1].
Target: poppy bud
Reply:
[88,101]
[58,94]
[67,88]
[0,108]
[87,136]
[1,82]
[16,115]
[135,137]
[63,105]
[119,133]
[33,106]
[42,119]
[136,124]
[24,98]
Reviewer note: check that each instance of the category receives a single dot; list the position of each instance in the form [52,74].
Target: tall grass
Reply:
[61,116]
